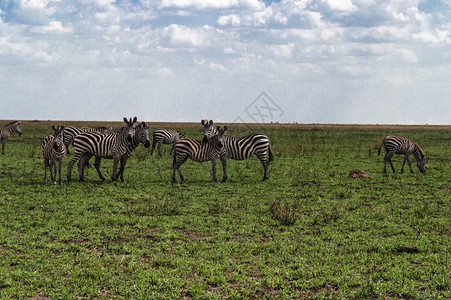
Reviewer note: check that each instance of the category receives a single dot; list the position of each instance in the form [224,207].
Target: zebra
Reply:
[200,151]
[244,147]
[399,145]
[71,132]
[141,136]
[6,132]
[165,136]
[54,151]
[114,145]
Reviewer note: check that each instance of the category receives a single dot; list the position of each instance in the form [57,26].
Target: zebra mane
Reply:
[11,123]
[419,150]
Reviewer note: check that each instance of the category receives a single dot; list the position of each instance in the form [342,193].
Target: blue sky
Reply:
[309,61]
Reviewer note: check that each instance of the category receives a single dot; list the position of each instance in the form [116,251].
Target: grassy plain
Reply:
[310,231]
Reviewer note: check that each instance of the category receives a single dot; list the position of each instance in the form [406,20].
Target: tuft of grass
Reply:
[284,211]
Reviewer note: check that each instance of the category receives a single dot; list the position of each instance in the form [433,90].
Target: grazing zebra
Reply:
[6,132]
[141,136]
[165,136]
[399,145]
[54,151]
[114,145]
[244,147]
[71,132]
[200,151]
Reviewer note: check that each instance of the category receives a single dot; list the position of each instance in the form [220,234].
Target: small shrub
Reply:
[283,211]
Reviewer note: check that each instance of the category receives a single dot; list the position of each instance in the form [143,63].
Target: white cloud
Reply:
[166,72]
[282,50]
[219,67]
[233,20]
[212,4]
[183,35]
[291,49]
[53,27]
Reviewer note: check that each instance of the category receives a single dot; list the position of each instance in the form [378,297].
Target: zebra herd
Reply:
[102,142]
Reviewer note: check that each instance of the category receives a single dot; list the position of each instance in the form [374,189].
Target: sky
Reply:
[308,61]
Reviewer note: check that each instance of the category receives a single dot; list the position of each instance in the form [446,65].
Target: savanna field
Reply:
[310,231]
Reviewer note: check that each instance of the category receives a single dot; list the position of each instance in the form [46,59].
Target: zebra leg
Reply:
[71,165]
[84,160]
[114,174]
[67,147]
[406,158]
[153,145]
[213,168]
[172,148]
[224,169]
[265,165]
[159,147]
[121,170]
[97,166]
[3,147]
[46,164]
[52,171]
[60,163]
[387,158]
[176,166]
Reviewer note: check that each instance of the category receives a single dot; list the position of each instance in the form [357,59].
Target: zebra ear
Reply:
[125,120]
[225,128]
[211,122]
[203,122]
[54,128]
[135,119]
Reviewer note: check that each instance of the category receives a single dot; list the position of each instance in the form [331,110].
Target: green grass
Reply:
[310,231]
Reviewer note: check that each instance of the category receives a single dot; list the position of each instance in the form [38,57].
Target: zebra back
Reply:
[166,136]
[103,130]
[107,146]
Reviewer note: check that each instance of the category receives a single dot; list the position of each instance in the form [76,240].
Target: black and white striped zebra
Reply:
[165,136]
[399,145]
[114,145]
[7,131]
[53,152]
[141,136]
[71,132]
[200,151]
[244,147]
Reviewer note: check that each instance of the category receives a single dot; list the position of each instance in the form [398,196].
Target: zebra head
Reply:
[218,137]
[17,128]
[209,130]
[58,136]
[129,129]
[421,159]
[142,134]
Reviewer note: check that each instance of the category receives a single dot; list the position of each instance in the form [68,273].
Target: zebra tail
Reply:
[271,157]
[379,150]
[154,142]
[175,158]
